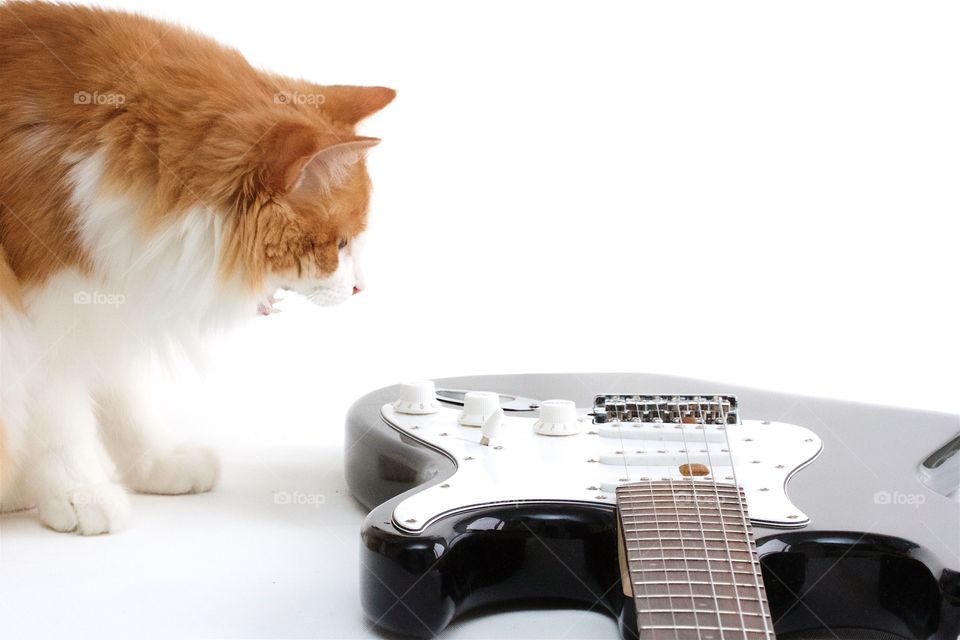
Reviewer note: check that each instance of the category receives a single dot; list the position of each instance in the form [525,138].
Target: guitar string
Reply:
[723,522]
[626,542]
[696,502]
[746,527]
[663,555]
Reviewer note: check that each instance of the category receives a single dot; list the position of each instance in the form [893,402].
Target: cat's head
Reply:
[301,205]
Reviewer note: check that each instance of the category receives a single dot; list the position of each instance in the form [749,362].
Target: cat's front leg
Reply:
[68,473]
[146,458]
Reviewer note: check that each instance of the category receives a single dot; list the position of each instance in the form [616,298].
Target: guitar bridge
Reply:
[656,409]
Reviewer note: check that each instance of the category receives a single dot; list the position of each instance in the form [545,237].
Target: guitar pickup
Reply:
[666,409]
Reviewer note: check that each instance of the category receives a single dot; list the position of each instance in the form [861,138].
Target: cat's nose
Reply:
[357,290]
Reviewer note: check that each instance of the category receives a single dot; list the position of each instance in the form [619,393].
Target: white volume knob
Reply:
[557,418]
[477,407]
[417,398]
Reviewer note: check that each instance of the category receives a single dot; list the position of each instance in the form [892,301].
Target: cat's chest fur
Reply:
[148,286]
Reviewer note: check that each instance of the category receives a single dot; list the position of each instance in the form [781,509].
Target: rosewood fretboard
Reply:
[690,561]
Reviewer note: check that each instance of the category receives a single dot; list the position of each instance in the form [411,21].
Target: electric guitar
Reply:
[669,510]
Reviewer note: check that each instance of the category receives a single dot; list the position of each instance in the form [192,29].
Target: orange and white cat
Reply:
[153,187]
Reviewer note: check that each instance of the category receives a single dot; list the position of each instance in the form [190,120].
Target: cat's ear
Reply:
[350,105]
[300,155]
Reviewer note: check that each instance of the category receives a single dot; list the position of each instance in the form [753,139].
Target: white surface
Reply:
[759,193]
[521,466]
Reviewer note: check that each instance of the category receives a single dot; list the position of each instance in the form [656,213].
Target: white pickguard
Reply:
[523,467]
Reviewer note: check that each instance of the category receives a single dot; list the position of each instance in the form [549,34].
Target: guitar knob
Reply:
[477,407]
[417,398]
[557,418]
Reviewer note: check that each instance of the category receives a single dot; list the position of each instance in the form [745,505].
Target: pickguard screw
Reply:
[601,497]
[410,520]
[624,479]
[763,489]
[593,488]
[779,466]
[809,440]
[765,422]
[792,516]
[443,434]
[592,460]
[469,458]
[591,433]
[498,447]
[748,439]
[754,462]
[414,428]
[444,486]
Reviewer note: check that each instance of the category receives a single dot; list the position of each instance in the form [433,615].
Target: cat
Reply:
[154,187]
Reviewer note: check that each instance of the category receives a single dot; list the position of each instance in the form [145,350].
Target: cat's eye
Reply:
[343,243]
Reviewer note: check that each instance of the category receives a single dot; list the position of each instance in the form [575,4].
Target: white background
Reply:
[757,193]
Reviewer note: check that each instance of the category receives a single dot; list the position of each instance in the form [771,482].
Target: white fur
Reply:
[79,420]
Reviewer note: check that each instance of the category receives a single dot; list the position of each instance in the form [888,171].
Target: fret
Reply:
[661,529]
[699,628]
[691,561]
[690,571]
[647,509]
[663,600]
[711,520]
[723,559]
[701,611]
[692,538]
[689,496]
[715,547]
[694,634]
[745,585]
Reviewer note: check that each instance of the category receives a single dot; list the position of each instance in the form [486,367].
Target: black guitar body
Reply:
[863,568]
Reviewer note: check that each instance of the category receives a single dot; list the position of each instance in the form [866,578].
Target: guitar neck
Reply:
[690,561]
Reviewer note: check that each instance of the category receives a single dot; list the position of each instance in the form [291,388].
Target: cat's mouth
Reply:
[320,296]
[328,296]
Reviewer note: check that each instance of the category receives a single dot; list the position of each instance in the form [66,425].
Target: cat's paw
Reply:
[89,510]
[185,469]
